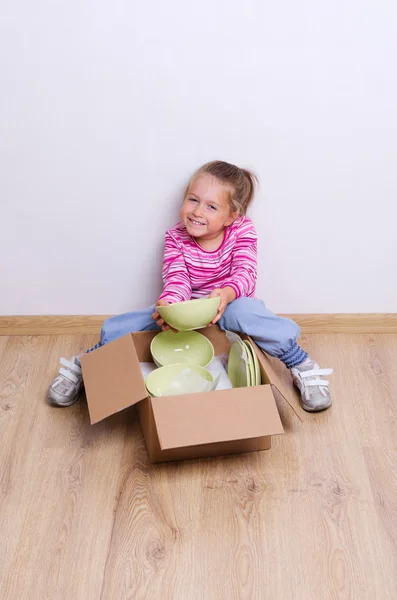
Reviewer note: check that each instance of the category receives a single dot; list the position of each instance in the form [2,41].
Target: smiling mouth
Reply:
[195,222]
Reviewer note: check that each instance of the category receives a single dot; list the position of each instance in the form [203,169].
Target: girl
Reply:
[212,251]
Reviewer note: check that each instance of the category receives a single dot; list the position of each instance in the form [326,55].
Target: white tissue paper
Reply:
[217,368]
[147,368]
[188,381]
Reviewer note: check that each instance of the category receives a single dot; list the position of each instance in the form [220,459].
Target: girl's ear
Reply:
[233,216]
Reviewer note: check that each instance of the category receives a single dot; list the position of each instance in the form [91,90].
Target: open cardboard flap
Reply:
[220,416]
[112,378]
[273,378]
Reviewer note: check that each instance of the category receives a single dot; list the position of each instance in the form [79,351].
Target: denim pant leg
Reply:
[139,320]
[115,327]
[275,335]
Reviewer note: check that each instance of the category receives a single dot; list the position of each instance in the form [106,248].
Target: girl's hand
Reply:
[227,295]
[160,322]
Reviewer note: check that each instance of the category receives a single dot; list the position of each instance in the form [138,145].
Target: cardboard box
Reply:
[185,426]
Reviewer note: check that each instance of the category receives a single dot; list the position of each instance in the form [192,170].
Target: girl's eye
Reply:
[192,199]
[212,207]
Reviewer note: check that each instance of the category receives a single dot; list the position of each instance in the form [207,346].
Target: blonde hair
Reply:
[241,183]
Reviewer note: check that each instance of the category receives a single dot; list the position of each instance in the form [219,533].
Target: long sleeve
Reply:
[243,272]
[176,279]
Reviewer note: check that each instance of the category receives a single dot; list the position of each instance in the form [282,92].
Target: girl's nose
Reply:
[198,211]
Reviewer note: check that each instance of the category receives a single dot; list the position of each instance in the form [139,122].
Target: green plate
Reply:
[258,377]
[251,374]
[251,363]
[237,368]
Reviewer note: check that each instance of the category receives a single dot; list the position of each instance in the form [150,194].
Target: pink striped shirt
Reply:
[191,272]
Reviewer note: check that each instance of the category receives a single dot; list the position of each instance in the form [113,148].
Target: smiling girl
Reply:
[211,252]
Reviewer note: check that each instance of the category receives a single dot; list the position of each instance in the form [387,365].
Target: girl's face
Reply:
[206,211]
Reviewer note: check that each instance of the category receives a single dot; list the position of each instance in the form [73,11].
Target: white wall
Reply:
[106,108]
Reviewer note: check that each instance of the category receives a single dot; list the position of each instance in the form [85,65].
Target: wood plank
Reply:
[59,484]
[382,468]
[3,344]
[375,373]
[91,324]
[83,513]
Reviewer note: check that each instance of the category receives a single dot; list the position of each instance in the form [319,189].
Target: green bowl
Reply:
[192,314]
[161,382]
[182,347]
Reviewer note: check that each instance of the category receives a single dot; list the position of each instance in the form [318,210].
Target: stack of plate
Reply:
[243,367]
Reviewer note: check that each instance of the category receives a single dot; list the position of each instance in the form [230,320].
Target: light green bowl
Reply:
[192,314]
[182,347]
[162,382]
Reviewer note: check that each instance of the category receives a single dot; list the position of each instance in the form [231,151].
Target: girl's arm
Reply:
[177,286]
[241,280]
[243,272]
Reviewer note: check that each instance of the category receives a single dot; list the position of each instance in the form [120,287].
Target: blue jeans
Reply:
[275,335]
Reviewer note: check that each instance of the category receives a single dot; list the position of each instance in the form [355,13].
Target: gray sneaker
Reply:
[65,388]
[314,391]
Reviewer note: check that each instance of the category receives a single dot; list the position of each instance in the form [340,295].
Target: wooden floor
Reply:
[84,516]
